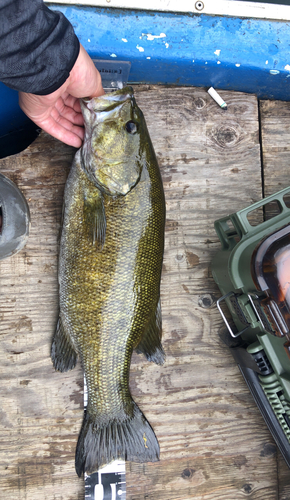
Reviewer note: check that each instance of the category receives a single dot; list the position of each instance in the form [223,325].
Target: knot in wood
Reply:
[268,450]
[187,473]
[199,103]
[206,301]
[247,488]
[227,136]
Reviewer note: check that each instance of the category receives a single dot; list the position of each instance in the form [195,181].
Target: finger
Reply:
[84,79]
[77,106]
[72,102]
[61,110]
[67,124]
[69,134]
[49,119]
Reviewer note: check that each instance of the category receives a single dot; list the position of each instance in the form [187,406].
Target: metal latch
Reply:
[254,301]
[221,299]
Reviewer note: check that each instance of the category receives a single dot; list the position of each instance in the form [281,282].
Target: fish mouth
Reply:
[103,171]
[110,101]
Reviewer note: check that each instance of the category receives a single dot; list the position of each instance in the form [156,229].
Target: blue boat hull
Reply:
[247,55]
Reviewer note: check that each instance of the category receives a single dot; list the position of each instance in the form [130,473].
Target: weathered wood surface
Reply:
[214,443]
[275,134]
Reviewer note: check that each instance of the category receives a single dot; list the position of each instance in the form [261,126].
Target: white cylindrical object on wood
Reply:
[218,99]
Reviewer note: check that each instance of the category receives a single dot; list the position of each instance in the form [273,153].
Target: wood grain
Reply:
[214,443]
[275,133]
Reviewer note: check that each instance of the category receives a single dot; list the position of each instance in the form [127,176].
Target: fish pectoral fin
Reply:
[95,217]
[150,344]
[63,354]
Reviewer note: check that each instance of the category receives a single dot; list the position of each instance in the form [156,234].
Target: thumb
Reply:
[84,79]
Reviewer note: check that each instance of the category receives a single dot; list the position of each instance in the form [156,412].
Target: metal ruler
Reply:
[108,483]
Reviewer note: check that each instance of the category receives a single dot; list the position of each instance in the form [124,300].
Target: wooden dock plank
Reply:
[275,134]
[200,383]
[40,409]
[214,443]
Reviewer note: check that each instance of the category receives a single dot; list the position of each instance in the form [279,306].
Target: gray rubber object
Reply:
[15,218]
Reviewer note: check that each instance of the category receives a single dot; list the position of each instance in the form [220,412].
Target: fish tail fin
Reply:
[130,438]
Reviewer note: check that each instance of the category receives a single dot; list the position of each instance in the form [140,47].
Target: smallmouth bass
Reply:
[110,261]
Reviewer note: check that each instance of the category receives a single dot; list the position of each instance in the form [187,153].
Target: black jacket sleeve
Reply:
[38,46]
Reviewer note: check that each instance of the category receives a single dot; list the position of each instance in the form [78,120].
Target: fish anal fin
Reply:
[63,354]
[150,344]
[95,217]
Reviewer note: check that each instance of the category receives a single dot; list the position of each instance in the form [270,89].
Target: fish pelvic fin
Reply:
[150,344]
[63,354]
[95,217]
[131,439]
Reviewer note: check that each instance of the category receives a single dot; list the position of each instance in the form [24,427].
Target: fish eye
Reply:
[131,127]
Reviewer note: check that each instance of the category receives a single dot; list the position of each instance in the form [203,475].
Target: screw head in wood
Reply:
[199,5]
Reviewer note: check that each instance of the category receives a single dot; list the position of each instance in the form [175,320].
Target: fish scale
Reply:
[110,264]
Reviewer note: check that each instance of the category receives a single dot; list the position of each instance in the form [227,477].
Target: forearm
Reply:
[38,47]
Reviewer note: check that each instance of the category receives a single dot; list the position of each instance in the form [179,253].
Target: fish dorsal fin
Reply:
[95,217]
[150,344]
[63,354]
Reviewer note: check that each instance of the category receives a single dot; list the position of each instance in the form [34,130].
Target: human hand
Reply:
[59,113]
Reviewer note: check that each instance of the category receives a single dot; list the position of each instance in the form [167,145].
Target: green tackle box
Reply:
[252,270]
